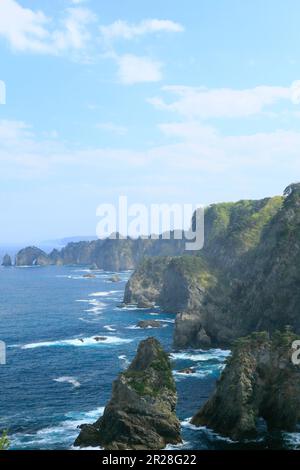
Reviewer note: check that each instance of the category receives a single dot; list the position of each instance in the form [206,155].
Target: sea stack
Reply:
[141,412]
[7,261]
[260,380]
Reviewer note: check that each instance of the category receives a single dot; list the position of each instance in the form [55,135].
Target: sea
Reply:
[57,376]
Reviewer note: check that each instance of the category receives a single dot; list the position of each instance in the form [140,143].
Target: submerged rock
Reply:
[141,412]
[149,324]
[89,276]
[7,261]
[259,381]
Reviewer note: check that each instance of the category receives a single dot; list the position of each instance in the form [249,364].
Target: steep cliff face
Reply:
[259,381]
[141,412]
[144,286]
[251,257]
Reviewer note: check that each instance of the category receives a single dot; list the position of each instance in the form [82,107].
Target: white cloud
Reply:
[32,31]
[124,30]
[134,69]
[111,127]
[295,92]
[203,103]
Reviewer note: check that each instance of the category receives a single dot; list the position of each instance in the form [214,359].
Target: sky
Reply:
[164,102]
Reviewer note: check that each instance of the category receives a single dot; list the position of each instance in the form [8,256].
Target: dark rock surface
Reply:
[141,412]
[149,324]
[7,261]
[259,380]
[245,279]
[32,256]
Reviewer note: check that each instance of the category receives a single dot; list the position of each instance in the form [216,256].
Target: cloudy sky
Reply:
[162,101]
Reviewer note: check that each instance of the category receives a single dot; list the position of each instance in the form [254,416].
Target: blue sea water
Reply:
[58,377]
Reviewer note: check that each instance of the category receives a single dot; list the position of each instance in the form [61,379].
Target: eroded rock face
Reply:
[141,412]
[7,261]
[259,380]
[32,256]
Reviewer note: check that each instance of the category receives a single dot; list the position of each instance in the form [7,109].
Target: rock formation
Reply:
[259,381]
[109,254]
[32,256]
[149,324]
[245,279]
[7,261]
[141,412]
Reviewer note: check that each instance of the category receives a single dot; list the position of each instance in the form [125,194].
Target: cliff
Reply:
[259,381]
[141,412]
[245,279]
[109,254]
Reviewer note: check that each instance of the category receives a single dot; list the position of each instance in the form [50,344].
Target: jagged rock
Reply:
[245,279]
[141,412]
[32,256]
[144,303]
[187,371]
[259,380]
[149,324]
[7,261]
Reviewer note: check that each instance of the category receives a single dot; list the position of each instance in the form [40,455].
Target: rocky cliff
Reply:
[259,381]
[245,279]
[141,412]
[110,254]
[32,256]
[7,261]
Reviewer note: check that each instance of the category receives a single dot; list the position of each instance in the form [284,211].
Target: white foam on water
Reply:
[292,440]
[104,293]
[209,432]
[109,328]
[69,380]
[80,342]
[62,435]
[201,355]
[182,445]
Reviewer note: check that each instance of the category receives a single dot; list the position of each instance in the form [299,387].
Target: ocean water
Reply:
[58,376]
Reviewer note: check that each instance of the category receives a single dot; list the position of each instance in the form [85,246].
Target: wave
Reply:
[212,435]
[125,360]
[109,328]
[69,380]
[200,373]
[202,355]
[104,293]
[81,342]
[62,435]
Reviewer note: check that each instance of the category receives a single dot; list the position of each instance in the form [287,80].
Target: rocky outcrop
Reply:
[111,254]
[32,256]
[259,381]
[141,412]
[144,286]
[149,324]
[245,279]
[7,261]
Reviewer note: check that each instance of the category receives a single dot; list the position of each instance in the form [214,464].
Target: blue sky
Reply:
[189,102]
